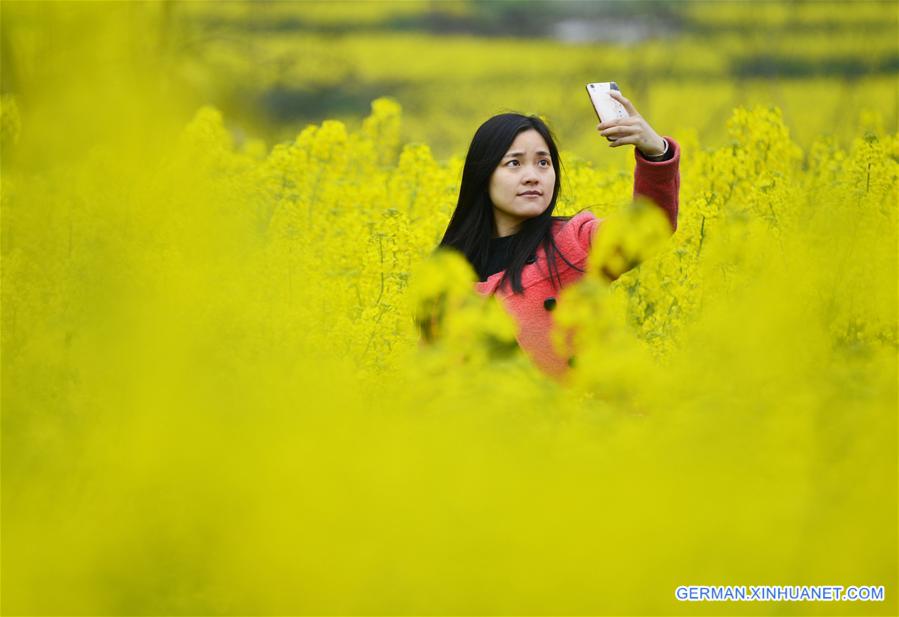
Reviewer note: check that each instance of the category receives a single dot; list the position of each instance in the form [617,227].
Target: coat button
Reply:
[549,304]
[530,259]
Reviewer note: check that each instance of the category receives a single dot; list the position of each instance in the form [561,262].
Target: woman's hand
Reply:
[633,130]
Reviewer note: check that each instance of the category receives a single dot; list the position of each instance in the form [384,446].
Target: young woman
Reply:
[504,223]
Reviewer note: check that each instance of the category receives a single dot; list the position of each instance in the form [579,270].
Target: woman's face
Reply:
[521,187]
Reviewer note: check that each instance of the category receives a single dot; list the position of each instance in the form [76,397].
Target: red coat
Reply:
[532,310]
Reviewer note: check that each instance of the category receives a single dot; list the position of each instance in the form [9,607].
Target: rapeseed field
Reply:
[215,399]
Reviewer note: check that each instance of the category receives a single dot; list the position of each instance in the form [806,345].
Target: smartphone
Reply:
[605,106]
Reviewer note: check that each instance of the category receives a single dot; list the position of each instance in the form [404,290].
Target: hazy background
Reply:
[274,67]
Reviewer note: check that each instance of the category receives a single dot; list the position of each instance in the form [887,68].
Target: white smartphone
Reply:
[605,106]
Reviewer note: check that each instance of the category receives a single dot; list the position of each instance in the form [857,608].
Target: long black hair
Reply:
[472,225]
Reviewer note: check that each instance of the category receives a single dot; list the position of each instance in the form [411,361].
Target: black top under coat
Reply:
[499,255]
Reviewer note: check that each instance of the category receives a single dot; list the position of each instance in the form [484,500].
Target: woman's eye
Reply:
[545,161]
[510,162]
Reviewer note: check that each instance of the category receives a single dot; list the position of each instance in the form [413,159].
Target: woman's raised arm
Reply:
[657,174]
[660,181]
